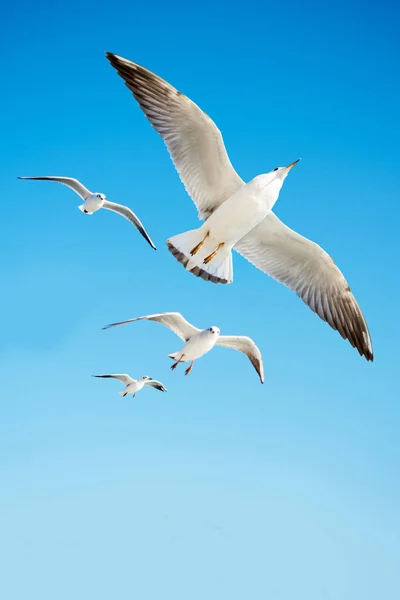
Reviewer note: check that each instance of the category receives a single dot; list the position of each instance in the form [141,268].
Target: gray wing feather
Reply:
[156,384]
[172,320]
[121,376]
[192,138]
[126,212]
[305,268]
[247,346]
[70,182]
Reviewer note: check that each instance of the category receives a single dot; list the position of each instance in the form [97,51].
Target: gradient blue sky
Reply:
[222,488]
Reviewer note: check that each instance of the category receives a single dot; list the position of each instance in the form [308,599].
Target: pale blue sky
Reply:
[221,488]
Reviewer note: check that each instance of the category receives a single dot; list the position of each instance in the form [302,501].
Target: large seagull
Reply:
[223,200]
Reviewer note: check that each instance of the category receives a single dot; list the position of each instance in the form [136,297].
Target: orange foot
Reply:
[199,245]
[211,256]
[189,368]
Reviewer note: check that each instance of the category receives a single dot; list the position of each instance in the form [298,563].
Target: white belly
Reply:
[198,345]
[134,387]
[234,219]
[243,211]
[93,204]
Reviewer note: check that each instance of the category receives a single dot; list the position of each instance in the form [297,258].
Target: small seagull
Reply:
[93,201]
[200,341]
[135,385]
[237,214]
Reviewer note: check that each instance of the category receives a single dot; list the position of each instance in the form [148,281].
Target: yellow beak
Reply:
[292,164]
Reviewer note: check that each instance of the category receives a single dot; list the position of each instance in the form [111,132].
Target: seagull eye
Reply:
[276,168]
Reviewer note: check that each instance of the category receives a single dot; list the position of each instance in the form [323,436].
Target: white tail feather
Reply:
[82,208]
[218,270]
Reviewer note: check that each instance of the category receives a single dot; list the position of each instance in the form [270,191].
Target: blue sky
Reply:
[222,488]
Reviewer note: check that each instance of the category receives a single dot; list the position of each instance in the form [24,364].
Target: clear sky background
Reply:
[221,488]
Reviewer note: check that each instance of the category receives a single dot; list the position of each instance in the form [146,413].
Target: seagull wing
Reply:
[70,182]
[126,212]
[308,270]
[126,379]
[174,321]
[192,138]
[247,346]
[156,384]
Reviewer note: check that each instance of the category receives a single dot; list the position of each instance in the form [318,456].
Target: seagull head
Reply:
[214,330]
[282,172]
[99,196]
[146,377]
[273,180]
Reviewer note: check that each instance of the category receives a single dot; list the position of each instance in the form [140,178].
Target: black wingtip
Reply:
[113,58]
[148,240]
[366,350]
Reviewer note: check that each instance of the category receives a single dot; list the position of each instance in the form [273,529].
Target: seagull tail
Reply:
[217,269]
[82,208]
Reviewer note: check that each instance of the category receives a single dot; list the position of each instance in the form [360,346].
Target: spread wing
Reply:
[126,379]
[126,212]
[192,138]
[156,384]
[174,321]
[247,346]
[308,270]
[197,149]
[74,184]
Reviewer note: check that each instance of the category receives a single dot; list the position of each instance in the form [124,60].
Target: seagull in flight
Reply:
[200,341]
[93,201]
[132,386]
[197,149]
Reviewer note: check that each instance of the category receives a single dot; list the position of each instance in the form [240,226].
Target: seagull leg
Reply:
[199,245]
[189,368]
[177,363]
[211,256]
